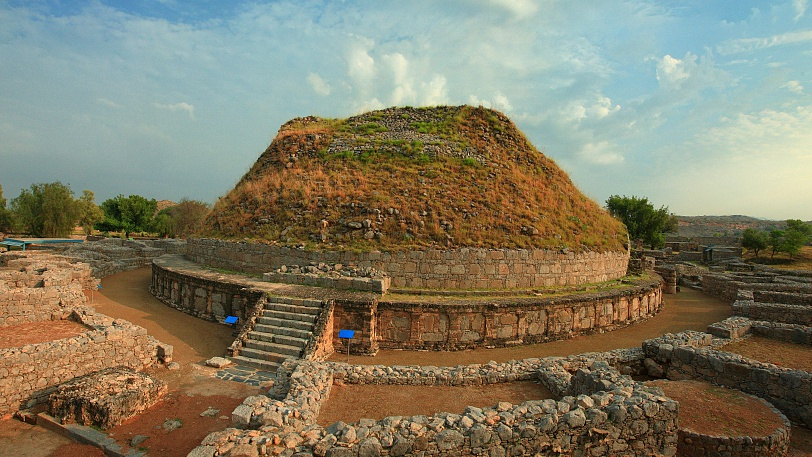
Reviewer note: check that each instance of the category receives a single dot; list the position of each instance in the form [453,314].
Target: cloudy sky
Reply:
[701,106]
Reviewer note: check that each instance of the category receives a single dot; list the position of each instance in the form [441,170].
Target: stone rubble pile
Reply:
[106,398]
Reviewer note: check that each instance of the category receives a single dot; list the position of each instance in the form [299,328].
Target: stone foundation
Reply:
[462,269]
[607,414]
[28,374]
[106,398]
[685,356]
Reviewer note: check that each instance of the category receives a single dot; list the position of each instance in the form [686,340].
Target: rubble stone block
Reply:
[105,398]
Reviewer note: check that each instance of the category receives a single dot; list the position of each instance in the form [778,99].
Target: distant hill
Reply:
[723,225]
[404,178]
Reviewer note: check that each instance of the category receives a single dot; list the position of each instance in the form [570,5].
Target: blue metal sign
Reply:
[231,319]
[346,334]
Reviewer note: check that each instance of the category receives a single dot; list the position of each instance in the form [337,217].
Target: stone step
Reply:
[283,350]
[256,363]
[263,355]
[286,331]
[296,309]
[278,322]
[310,318]
[272,337]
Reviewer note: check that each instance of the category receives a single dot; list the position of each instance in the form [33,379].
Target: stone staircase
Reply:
[280,333]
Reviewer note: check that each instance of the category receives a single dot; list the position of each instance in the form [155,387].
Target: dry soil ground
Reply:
[194,391]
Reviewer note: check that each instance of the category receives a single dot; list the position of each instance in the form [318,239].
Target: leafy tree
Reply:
[754,240]
[89,212]
[47,209]
[796,235]
[128,214]
[181,220]
[642,221]
[775,242]
[6,216]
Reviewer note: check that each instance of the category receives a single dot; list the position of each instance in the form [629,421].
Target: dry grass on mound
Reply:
[446,176]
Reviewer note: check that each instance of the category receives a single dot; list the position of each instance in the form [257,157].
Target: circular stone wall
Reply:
[460,269]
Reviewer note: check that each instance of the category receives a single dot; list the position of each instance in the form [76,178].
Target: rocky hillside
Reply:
[404,178]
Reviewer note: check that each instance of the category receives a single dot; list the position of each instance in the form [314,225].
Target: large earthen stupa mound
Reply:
[406,179]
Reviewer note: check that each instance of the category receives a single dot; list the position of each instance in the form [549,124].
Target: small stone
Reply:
[172,424]
[173,366]
[137,439]
[210,412]
[218,362]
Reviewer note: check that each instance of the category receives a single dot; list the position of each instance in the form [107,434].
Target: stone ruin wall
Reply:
[210,299]
[599,412]
[28,374]
[430,269]
[384,324]
[787,389]
[728,286]
[42,287]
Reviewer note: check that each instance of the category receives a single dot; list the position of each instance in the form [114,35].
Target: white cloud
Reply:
[360,65]
[435,91]
[109,103]
[521,9]
[499,102]
[181,106]
[318,84]
[800,8]
[767,133]
[794,86]
[742,45]
[600,153]
[672,72]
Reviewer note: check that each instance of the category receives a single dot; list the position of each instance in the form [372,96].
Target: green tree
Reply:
[181,220]
[89,212]
[642,221]
[754,240]
[46,210]
[6,216]
[775,241]
[128,214]
[796,235]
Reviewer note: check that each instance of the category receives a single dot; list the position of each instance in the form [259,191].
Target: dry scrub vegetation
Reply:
[405,178]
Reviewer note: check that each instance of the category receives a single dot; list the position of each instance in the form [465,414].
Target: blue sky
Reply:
[702,106]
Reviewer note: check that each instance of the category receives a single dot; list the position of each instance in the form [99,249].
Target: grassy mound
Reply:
[410,178]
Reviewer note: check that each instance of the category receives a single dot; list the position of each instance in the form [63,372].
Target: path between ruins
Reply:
[126,295]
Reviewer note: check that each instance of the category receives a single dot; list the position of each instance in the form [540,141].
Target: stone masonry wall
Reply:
[28,374]
[788,390]
[501,322]
[40,288]
[775,312]
[607,414]
[203,297]
[431,269]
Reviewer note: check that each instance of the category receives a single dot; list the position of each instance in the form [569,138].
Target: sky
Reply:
[700,106]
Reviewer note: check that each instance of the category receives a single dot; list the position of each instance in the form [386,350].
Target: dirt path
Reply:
[193,390]
[687,310]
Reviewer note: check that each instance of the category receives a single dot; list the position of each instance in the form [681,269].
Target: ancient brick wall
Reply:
[28,374]
[430,269]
